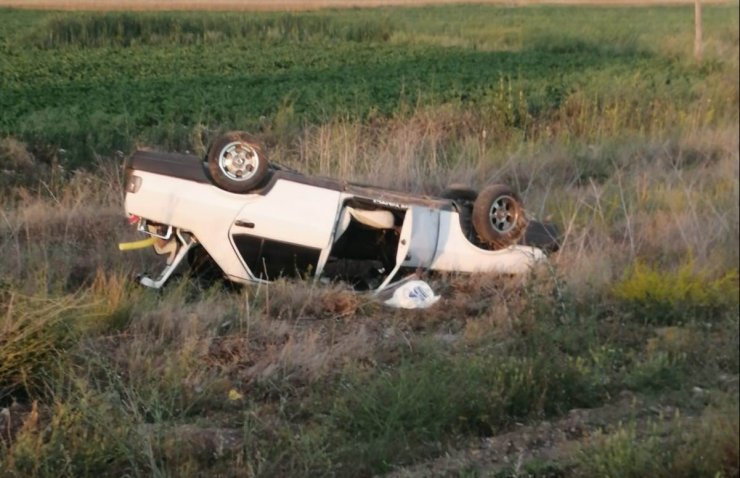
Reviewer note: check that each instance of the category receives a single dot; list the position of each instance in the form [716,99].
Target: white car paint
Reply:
[204,210]
[430,238]
[456,253]
[292,212]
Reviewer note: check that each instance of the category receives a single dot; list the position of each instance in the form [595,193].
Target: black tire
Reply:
[498,216]
[237,163]
[459,192]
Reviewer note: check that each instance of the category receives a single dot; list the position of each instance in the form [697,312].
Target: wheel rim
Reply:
[238,161]
[503,214]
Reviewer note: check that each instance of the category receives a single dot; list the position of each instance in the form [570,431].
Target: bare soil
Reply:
[544,442]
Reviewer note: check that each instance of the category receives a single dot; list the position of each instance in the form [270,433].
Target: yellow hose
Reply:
[130,246]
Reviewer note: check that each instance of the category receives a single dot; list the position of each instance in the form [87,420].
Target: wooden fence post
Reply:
[698,47]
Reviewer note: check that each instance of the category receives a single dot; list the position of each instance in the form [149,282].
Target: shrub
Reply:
[670,298]
[682,448]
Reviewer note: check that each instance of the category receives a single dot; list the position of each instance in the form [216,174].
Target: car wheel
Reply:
[237,162]
[498,216]
[459,192]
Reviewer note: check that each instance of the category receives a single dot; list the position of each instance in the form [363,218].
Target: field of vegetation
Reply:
[620,358]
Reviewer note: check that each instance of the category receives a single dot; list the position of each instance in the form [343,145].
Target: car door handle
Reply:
[241,223]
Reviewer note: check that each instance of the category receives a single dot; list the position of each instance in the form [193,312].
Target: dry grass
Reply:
[101,378]
[191,380]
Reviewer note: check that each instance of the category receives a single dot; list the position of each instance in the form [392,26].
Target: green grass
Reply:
[95,83]
[684,448]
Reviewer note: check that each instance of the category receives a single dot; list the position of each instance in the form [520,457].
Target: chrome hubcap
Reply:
[503,214]
[238,161]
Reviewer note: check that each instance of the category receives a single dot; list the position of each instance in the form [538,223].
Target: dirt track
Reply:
[293,4]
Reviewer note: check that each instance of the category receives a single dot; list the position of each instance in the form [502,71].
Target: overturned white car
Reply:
[252,221]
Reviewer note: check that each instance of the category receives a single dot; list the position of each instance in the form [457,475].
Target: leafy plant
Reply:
[667,298]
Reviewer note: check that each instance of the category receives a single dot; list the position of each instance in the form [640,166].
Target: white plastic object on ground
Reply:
[415,294]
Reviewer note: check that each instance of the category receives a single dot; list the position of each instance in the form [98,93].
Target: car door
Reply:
[423,236]
[284,231]
[418,239]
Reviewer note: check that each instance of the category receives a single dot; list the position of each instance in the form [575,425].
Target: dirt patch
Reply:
[295,5]
[544,442]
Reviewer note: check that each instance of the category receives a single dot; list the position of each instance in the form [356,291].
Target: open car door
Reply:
[284,232]
[404,243]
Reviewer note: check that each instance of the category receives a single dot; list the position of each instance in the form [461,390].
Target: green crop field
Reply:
[92,84]
[618,358]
